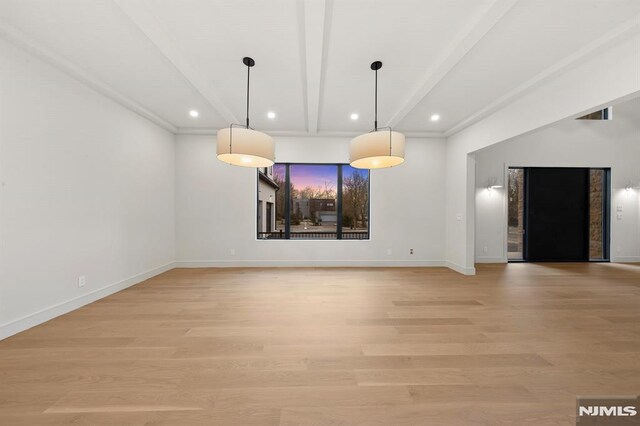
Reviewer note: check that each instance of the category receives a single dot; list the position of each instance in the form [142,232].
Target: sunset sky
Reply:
[315,175]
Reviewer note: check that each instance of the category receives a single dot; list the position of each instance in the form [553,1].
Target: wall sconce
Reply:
[629,186]
[493,184]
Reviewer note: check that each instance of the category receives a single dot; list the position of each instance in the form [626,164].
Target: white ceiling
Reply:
[461,59]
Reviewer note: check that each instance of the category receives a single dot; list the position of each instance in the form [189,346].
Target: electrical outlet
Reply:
[388,252]
[459,216]
[486,249]
[232,252]
[82,281]
[410,251]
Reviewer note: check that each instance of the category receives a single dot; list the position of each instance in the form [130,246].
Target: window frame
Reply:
[339,211]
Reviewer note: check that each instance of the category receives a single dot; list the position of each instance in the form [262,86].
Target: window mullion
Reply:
[287,205]
[339,204]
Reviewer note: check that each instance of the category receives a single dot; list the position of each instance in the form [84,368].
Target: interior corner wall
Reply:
[611,144]
[459,222]
[216,208]
[86,189]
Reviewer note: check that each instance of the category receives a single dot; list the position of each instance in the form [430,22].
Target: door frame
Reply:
[608,193]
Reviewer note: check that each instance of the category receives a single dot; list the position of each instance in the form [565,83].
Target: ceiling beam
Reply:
[47,55]
[452,56]
[624,30]
[313,26]
[141,16]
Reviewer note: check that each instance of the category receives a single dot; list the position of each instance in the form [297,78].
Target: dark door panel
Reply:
[557,214]
[269,216]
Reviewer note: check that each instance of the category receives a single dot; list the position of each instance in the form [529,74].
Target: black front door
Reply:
[557,214]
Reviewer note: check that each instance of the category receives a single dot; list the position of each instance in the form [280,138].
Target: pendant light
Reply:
[381,147]
[243,146]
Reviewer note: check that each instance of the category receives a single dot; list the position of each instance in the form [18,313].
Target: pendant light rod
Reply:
[248,78]
[240,145]
[375,122]
[376,66]
[249,62]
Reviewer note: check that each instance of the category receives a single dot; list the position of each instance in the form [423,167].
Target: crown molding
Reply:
[293,133]
[48,56]
[142,17]
[626,29]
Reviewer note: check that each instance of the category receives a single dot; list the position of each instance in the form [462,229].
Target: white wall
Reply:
[570,143]
[216,208]
[599,78]
[86,188]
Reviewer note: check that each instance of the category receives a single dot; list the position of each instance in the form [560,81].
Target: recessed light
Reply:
[354,116]
[271,115]
[194,113]
[435,117]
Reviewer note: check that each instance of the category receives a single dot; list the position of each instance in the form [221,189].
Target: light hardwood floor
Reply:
[390,347]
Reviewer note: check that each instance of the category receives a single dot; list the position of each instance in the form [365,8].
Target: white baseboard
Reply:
[460,269]
[21,324]
[490,260]
[322,263]
[306,263]
[625,259]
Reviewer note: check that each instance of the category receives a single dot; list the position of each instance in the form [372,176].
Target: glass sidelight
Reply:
[515,232]
[598,214]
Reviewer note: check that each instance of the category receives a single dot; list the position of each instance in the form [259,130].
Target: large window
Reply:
[313,201]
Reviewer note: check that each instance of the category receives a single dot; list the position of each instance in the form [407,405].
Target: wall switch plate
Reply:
[619,216]
[619,208]
[82,281]
[232,252]
[459,216]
